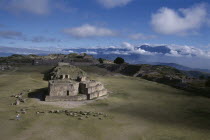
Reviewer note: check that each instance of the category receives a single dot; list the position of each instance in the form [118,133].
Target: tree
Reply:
[201,77]
[208,82]
[119,60]
[101,60]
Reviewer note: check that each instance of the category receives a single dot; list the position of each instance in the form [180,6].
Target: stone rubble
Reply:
[80,115]
[19,97]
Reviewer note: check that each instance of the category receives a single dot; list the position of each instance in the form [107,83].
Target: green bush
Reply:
[101,60]
[201,77]
[208,83]
[119,60]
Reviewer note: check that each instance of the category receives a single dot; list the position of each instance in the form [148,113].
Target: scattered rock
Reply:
[80,118]
[17,102]
[80,114]
[51,111]
[22,109]
[23,112]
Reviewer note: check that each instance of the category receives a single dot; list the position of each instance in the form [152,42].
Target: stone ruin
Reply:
[69,83]
[5,67]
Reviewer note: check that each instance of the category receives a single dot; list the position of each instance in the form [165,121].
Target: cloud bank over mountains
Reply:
[146,49]
[184,55]
[146,53]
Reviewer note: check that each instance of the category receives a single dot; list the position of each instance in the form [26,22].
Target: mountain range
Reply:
[181,57]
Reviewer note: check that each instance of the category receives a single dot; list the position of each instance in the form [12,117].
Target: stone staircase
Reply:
[93,89]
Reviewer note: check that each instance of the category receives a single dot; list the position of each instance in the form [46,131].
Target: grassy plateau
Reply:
[137,110]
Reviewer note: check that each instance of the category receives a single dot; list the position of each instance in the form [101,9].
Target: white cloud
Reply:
[38,7]
[132,50]
[140,36]
[90,52]
[127,45]
[87,31]
[182,21]
[113,3]
[11,35]
[141,51]
[188,51]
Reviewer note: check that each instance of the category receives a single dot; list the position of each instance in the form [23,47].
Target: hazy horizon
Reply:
[52,26]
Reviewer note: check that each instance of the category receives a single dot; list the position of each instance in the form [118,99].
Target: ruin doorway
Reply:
[66,76]
[67,92]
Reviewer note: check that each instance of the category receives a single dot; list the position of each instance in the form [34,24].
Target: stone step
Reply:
[88,84]
[79,97]
[91,89]
[97,94]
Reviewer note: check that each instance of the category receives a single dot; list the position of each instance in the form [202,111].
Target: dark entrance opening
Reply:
[67,92]
[66,76]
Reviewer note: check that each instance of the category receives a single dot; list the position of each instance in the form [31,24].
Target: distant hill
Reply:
[186,80]
[181,67]
[191,72]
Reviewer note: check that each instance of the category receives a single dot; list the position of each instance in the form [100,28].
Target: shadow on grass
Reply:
[47,74]
[39,94]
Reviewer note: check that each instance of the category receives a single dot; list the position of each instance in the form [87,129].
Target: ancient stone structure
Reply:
[69,83]
[79,59]
[5,67]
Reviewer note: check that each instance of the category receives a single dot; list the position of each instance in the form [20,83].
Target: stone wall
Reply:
[67,90]
[70,61]
[63,88]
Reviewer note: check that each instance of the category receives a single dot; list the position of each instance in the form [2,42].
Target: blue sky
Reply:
[90,23]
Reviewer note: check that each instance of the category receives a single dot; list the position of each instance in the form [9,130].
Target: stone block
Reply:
[102,93]
[79,97]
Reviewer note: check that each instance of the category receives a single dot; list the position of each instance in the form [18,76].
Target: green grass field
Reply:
[137,110]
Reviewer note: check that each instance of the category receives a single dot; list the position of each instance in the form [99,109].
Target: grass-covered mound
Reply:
[73,71]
